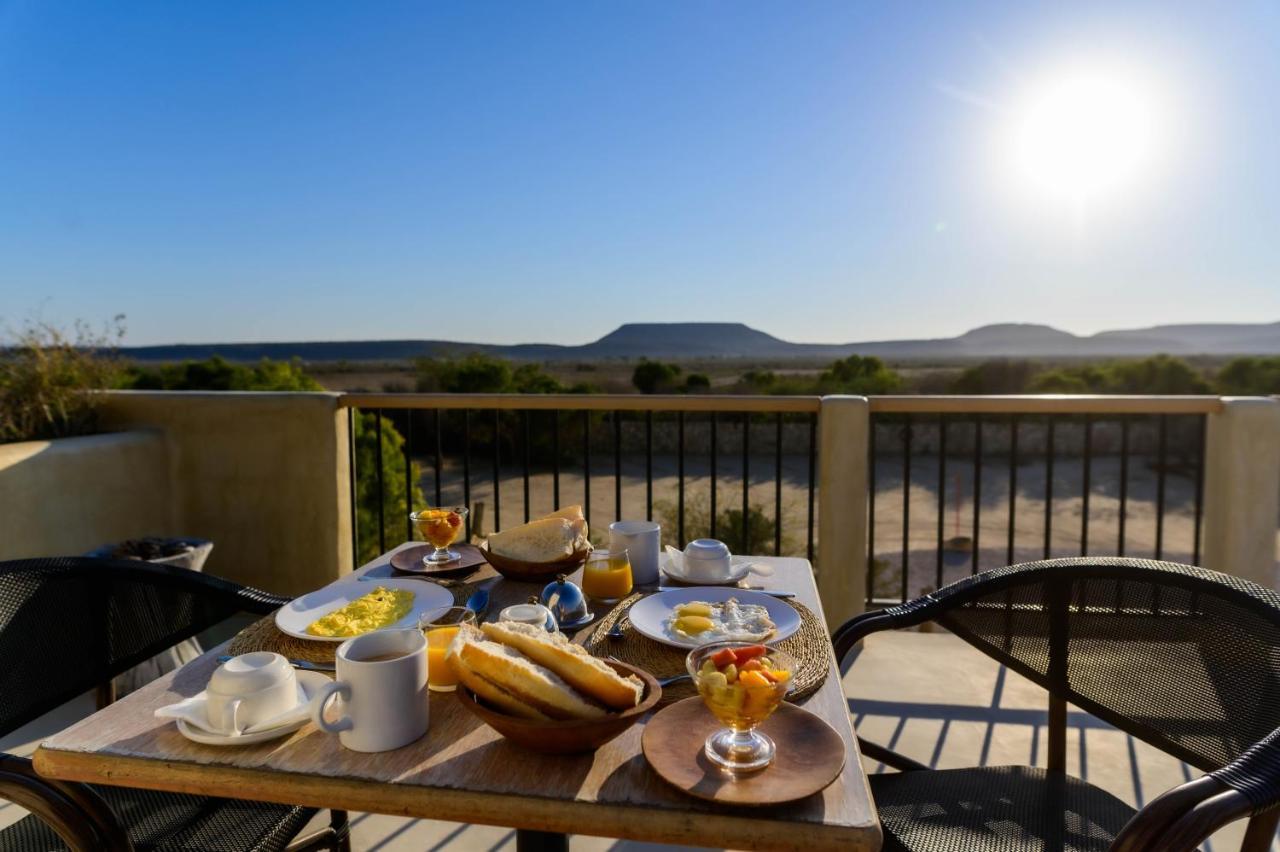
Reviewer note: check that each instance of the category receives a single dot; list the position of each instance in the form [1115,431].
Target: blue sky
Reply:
[546,171]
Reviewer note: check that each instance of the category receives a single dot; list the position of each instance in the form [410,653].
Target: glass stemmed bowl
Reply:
[742,684]
[440,528]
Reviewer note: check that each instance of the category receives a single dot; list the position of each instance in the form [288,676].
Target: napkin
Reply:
[195,712]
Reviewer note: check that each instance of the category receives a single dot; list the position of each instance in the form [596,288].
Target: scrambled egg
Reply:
[380,608]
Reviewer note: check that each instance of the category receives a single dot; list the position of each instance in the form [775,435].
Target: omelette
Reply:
[380,608]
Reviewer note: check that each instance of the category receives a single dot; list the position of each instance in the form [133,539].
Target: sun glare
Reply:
[1084,136]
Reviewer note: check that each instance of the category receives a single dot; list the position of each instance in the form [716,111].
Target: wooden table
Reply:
[463,771]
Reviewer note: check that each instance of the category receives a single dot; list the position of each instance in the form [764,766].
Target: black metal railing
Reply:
[671,459]
[953,492]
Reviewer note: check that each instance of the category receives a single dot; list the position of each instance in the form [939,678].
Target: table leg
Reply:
[541,841]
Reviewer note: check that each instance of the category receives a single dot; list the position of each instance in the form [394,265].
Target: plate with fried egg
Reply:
[689,618]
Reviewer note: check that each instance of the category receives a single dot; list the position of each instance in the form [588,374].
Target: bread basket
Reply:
[567,737]
[534,572]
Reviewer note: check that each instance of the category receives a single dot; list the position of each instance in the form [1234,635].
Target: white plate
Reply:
[310,683]
[293,617]
[739,567]
[649,616]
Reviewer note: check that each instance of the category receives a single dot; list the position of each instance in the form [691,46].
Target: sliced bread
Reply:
[590,676]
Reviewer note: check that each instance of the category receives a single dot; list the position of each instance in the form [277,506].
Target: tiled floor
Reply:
[927,695]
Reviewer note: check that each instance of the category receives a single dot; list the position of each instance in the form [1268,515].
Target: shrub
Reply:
[654,376]
[393,495]
[1250,376]
[44,376]
[697,383]
[697,524]
[218,374]
[858,374]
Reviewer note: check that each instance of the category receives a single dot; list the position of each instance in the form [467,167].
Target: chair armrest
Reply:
[74,811]
[259,602]
[1184,817]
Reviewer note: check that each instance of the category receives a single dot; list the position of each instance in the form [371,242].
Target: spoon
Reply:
[667,681]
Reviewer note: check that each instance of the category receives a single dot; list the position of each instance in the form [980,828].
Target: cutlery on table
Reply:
[775,593]
[305,665]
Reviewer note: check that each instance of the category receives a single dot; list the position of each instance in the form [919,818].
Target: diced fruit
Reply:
[741,655]
[777,675]
[715,680]
[755,680]
[723,657]
[455,520]
[707,667]
[751,666]
[731,673]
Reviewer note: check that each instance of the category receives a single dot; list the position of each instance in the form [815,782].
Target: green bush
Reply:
[393,496]
[218,374]
[1251,376]
[44,376]
[860,375]
[655,376]
[697,524]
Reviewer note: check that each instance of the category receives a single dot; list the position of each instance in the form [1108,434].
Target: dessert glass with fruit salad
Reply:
[742,684]
[440,527]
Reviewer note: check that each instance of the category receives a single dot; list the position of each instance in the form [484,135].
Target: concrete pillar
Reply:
[264,475]
[843,428]
[1242,489]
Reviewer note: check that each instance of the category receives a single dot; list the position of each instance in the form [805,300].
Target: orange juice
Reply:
[607,576]
[440,676]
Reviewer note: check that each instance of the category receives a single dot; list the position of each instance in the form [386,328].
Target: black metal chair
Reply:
[1183,658]
[68,626]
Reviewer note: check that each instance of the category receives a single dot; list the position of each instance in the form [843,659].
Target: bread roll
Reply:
[544,540]
[526,680]
[590,676]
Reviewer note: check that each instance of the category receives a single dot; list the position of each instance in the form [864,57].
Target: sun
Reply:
[1084,136]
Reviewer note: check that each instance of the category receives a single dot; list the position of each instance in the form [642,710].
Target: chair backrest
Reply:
[1183,658]
[69,624]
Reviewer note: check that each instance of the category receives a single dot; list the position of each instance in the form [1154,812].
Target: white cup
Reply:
[249,689]
[707,560]
[643,542]
[384,701]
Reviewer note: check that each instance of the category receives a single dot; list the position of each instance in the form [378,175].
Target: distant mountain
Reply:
[735,340]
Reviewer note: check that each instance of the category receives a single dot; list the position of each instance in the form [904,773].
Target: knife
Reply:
[305,665]
[774,593]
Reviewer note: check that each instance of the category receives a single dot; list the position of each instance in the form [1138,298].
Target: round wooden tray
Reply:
[409,560]
[810,755]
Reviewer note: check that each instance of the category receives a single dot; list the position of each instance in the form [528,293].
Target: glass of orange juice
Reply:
[607,575]
[440,630]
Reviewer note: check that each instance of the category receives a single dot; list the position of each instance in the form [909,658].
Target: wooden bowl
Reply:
[566,737]
[533,572]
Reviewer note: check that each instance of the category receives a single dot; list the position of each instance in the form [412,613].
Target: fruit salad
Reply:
[439,526]
[742,684]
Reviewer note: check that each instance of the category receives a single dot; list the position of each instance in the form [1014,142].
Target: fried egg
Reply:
[704,622]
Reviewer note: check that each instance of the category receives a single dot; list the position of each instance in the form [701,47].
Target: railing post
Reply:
[843,426]
[1242,489]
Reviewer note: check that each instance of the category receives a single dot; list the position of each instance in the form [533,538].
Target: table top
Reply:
[464,771]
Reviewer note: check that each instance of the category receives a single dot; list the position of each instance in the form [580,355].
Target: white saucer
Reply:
[310,683]
[739,567]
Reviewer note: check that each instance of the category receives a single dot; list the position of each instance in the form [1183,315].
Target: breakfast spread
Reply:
[704,622]
[547,539]
[380,608]
[524,671]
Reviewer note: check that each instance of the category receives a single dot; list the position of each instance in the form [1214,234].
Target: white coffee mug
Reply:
[249,689]
[382,691]
[643,542]
[707,560]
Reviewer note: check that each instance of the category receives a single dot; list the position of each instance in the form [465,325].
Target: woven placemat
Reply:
[810,646]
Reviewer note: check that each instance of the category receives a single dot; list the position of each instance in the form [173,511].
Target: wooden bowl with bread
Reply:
[541,549]
[545,693]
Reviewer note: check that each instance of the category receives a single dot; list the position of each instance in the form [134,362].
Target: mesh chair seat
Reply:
[995,809]
[171,822]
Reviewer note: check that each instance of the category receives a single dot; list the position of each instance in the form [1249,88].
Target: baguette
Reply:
[590,676]
[485,689]
[526,680]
